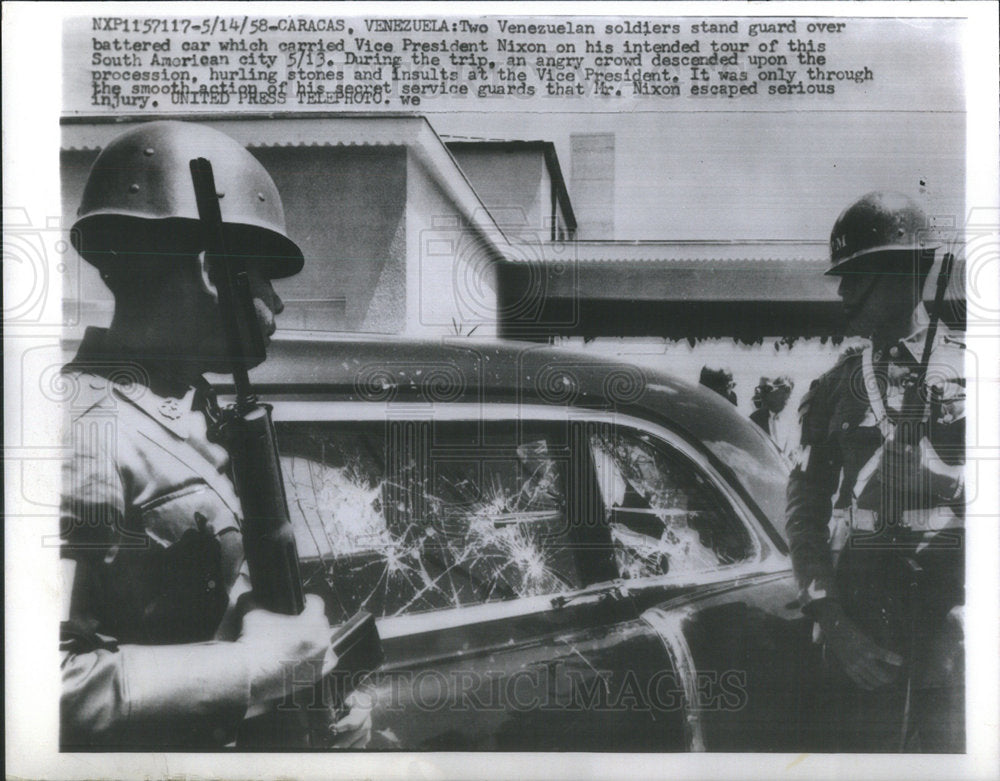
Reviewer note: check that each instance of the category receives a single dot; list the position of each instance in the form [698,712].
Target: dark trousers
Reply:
[902,590]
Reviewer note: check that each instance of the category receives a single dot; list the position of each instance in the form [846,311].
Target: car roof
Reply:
[390,369]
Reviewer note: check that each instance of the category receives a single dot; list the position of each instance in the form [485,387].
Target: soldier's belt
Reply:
[924,519]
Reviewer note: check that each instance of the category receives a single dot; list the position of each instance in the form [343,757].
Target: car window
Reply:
[664,514]
[412,516]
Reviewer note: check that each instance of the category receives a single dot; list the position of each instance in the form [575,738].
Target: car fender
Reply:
[744,659]
[669,627]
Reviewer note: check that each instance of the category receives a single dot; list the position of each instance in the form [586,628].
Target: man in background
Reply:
[772,417]
[720,381]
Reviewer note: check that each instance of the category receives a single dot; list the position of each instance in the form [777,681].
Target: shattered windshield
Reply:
[410,516]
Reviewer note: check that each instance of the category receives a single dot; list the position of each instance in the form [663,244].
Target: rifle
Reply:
[247,428]
[904,491]
[916,416]
[916,421]
[248,432]
[915,407]
[887,483]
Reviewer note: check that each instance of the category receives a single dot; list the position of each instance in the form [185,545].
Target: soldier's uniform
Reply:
[151,532]
[840,435]
[896,567]
[151,539]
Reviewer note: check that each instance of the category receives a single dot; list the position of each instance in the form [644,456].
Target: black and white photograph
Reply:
[438,390]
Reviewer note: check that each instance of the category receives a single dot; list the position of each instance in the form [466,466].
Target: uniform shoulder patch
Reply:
[818,402]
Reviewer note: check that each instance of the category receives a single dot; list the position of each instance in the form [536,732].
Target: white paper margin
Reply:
[31,106]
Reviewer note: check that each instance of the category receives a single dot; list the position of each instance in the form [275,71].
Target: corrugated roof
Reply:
[748,253]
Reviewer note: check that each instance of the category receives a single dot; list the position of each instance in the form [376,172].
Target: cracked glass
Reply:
[409,516]
[664,515]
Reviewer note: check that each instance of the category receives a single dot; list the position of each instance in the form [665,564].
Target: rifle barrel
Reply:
[210,215]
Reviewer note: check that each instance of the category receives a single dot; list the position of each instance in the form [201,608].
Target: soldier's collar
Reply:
[143,384]
[169,411]
[911,347]
[919,323]
[98,355]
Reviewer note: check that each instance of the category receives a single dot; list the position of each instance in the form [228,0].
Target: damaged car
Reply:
[561,552]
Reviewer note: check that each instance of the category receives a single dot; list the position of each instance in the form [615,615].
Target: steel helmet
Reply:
[876,223]
[140,185]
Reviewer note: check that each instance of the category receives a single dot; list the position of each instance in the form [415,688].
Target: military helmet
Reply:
[876,223]
[140,187]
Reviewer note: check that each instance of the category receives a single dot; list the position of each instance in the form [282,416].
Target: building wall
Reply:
[512,184]
[725,175]
[452,276]
[346,208]
[592,184]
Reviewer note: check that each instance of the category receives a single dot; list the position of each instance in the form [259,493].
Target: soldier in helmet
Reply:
[156,650]
[888,607]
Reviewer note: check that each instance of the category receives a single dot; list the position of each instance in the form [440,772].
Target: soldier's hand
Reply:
[921,472]
[866,663]
[285,651]
[945,480]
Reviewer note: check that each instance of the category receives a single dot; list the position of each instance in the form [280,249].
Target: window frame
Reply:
[711,482]
[764,558]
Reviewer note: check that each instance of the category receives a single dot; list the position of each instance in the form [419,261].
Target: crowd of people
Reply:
[770,400]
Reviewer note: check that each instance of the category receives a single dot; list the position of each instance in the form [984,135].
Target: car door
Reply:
[701,570]
[476,536]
